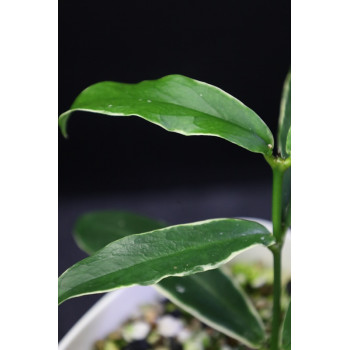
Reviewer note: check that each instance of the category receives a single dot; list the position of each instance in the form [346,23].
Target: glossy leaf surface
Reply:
[222,304]
[95,230]
[285,117]
[149,257]
[178,104]
[286,332]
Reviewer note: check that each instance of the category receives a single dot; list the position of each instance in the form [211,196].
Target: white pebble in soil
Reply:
[136,331]
[259,282]
[193,344]
[169,326]
[184,335]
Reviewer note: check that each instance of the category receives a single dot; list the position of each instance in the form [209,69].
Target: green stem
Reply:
[276,316]
[278,172]
[277,203]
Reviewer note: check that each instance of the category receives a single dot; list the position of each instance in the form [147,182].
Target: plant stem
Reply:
[276,316]
[277,203]
[276,251]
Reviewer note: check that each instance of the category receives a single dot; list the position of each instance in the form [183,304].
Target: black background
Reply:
[242,47]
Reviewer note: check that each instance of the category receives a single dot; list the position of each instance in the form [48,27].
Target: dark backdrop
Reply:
[242,47]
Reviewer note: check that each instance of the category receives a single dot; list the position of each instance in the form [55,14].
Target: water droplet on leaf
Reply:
[180,289]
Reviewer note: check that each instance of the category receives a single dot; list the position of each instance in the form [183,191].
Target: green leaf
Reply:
[178,104]
[95,230]
[222,304]
[286,332]
[288,142]
[149,257]
[285,117]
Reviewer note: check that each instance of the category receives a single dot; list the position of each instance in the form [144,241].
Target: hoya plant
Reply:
[183,261]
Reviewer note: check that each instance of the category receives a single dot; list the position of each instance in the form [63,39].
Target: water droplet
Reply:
[201,95]
[149,101]
[262,238]
[221,233]
[180,289]
[109,105]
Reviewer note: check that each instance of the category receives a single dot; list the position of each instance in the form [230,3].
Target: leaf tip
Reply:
[62,123]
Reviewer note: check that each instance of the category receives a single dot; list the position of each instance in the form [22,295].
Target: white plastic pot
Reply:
[112,310]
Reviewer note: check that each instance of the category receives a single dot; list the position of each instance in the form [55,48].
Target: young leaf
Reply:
[222,304]
[288,142]
[95,230]
[285,117]
[178,104]
[283,141]
[286,332]
[149,257]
